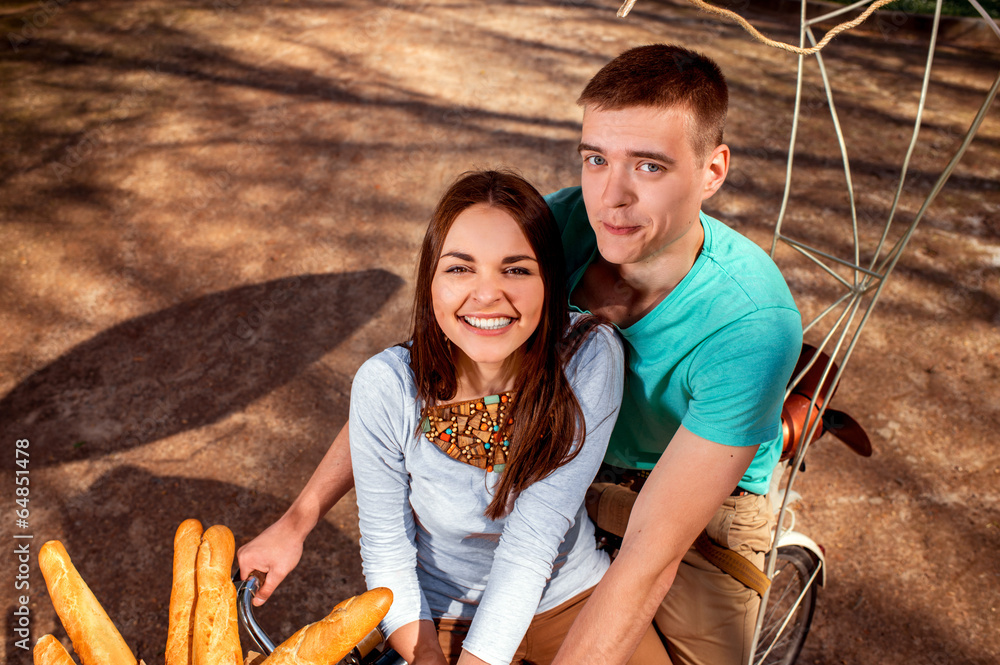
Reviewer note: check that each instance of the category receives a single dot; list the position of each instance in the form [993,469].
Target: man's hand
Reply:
[685,489]
[277,550]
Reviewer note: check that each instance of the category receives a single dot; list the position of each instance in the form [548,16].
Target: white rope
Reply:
[626,7]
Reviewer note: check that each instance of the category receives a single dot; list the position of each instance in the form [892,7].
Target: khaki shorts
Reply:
[545,635]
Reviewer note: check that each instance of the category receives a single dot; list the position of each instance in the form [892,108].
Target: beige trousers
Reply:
[545,635]
[708,618]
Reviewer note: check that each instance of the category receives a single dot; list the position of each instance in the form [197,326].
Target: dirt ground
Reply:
[209,217]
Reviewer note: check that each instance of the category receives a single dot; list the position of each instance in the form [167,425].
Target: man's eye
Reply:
[650,168]
[595,160]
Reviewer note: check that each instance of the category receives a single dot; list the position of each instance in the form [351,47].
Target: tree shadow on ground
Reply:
[119,534]
[188,366]
[868,591]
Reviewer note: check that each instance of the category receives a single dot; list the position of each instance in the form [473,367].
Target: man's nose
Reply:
[617,189]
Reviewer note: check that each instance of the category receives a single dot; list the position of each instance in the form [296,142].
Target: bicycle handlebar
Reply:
[364,653]
[245,592]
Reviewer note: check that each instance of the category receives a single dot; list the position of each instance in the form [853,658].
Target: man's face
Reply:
[642,182]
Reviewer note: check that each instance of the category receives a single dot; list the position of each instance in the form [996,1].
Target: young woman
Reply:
[474,443]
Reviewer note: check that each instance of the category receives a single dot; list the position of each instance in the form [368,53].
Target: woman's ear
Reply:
[716,169]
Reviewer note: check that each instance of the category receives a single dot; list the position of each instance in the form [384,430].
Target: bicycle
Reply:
[796,565]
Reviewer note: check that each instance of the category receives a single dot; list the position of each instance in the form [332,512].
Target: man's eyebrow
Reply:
[641,154]
[655,156]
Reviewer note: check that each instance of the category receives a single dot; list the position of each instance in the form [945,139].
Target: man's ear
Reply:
[716,169]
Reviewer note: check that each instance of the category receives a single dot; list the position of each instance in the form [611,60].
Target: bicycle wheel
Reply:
[790,607]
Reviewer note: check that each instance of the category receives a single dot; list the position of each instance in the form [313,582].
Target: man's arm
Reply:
[685,489]
[277,550]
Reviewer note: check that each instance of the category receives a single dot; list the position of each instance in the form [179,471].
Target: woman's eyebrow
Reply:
[517,258]
[460,256]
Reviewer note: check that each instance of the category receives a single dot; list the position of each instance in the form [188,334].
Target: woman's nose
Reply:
[487,288]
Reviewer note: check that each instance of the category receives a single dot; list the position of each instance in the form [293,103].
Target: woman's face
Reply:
[487,290]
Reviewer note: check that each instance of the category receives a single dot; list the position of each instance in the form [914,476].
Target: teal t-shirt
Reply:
[714,356]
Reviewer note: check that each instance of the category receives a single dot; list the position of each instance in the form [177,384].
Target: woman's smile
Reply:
[488,324]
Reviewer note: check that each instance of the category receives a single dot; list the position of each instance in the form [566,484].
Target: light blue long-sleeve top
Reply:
[423,532]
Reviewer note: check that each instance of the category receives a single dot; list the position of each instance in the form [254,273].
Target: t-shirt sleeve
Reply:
[544,512]
[739,375]
[379,400]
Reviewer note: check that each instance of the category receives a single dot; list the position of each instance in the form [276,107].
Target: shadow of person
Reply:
[119,534]
[188,365]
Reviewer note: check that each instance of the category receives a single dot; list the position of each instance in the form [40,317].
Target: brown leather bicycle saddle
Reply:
[796,416]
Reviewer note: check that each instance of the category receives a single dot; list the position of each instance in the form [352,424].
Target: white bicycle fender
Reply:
[804,541]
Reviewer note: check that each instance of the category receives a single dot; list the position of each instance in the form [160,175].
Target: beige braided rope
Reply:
[733,16]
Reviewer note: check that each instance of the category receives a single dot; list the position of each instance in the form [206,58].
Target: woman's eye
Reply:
[595,160]
[516,270]
[650,168]
[456,269]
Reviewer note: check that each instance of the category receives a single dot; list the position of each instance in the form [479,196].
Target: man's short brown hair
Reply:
[665,76]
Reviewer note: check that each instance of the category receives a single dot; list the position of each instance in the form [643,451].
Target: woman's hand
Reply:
[428,659]
[417,643]
[468,659]
[276,552]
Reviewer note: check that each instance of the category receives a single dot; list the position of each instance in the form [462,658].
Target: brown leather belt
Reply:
[730,562]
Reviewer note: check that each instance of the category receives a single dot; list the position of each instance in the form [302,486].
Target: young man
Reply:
[712,335]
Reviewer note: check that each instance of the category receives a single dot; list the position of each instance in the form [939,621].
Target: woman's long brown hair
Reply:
[547,419]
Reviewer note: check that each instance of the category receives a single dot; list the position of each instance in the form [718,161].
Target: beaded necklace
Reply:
[469,431]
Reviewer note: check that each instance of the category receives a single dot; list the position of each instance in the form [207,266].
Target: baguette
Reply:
[94,636]
[328,640]
[50,651]
[215,639]
[183,592]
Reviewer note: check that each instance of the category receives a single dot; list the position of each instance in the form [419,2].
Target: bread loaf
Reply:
[183,592]
[50,651]
[327,641]
[95,638]
[215,639]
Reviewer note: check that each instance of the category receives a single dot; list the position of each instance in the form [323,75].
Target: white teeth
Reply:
[487,324]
